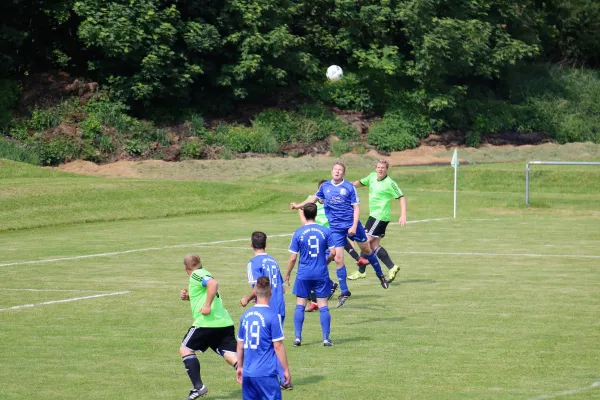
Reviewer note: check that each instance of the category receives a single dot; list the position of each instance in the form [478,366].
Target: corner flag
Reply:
[454,161]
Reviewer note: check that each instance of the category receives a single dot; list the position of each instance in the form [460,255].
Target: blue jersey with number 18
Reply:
[311,241]
[265,265]
[260,326]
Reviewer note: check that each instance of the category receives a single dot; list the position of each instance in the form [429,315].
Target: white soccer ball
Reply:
[334,73]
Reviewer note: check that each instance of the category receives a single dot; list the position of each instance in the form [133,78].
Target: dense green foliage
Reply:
[428,65]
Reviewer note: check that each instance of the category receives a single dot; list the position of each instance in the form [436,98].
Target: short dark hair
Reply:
[259,240]
[262,286]
[322,181]
[310,211]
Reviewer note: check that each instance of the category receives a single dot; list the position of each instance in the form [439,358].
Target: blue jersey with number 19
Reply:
[265,265]
[311,241]
[260,326]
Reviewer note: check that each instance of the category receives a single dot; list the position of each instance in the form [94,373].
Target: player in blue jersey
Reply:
[263,264]
[311,241]
[343,211]
[260,347]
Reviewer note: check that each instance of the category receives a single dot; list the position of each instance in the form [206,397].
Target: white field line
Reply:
[53,290]
[116,253]
[63,301]
[440,253]
[567,392]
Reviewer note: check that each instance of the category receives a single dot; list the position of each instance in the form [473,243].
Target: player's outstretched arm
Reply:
[291,264]
[282,356]
[402,220]
[240,361]
[357,184]
[302,217]
[296,206]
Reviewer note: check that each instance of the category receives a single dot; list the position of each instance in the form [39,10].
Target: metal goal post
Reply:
[549,163]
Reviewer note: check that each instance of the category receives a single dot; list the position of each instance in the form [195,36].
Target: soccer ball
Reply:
[334,73]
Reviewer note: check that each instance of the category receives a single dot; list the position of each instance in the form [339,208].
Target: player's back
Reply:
[339,203]
[311,241]
[259,328]
[265,265]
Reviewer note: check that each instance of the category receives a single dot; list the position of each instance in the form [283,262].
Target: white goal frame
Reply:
[550,163]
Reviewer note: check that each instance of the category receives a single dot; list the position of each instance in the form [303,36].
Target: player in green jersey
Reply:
[213,327]
[382,190]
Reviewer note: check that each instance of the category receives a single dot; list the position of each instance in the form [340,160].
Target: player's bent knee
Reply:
[184,351]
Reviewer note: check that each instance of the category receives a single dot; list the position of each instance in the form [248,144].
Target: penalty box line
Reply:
[63,300]
[177,246]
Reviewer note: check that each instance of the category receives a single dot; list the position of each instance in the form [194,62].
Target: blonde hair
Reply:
[341,164]
[192,261]
[384,162]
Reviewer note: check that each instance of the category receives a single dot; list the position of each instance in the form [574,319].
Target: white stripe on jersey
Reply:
[356,194]
[249,271]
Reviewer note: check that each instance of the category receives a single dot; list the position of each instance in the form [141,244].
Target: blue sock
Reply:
[325,322]
[374,263]
[342,275]
[298,321]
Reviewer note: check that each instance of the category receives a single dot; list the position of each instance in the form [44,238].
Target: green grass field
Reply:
[501,303]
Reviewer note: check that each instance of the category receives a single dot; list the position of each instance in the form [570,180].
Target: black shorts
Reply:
[375,227]
[221,340]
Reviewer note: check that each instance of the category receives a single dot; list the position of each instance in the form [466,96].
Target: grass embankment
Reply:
[34,197]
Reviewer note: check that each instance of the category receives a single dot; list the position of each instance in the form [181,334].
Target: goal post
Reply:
[550,163]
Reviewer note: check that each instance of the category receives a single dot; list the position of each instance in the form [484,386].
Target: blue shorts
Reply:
[322,287]
[263,388]
[338,236]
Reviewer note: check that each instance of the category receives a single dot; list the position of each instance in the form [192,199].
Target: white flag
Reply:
[454,161]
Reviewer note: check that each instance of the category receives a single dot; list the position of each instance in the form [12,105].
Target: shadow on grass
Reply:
[391,319]
[234,394]
[415,281]
[307,380]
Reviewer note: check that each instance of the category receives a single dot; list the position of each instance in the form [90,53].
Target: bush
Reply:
[42,119]
[12,150]
[393,133]
[283,125]
[349,93]
[134,147]
[109,113]
[242,139]
[18,131]
[145,132]
[56,152]
[197,126]
[473,139]
[340,147]
[327,123]
[190,150]
[91,128]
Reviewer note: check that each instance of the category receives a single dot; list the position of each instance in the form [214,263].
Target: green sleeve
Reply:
[365,181]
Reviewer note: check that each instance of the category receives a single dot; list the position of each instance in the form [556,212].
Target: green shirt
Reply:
[381,194]
[218,317]
[321,218]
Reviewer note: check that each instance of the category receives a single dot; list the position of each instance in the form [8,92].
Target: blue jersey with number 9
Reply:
[311,241]
[260,326]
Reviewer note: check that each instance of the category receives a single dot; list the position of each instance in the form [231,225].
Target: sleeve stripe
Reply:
[293,252]
[249,271]
[356,194]
[278,339]
[196,277]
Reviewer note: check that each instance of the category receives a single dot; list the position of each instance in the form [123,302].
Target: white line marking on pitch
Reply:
[116,253]
[566,392]
[63,301]
[53,290]
[440,253]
